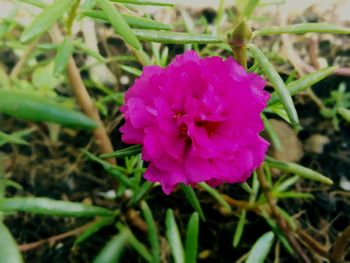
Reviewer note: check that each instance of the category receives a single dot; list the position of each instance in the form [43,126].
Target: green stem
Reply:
[238,40]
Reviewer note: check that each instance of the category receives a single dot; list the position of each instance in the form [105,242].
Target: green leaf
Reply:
[133,21]
[101,223]
[175,37]
[4,80]
[46,206]
[303,83]
[119,24]
[279,110]
[191,244]
[152,232]
[261,248]
[250,7]
[277,83]
[302,29]
[272,134]
[8,248]
[64,53]
[82,46]
[131,70]
[278,232]
[36,3]
[136,244]
[43,78]
[36,108]
[15,138]
[173,236]
[286,184]
[126,152]
[46,19]
[214,193]
[147,2]
[298,169]
[120,175]
[140,192]
[113,249]
[345,113]
[245,186]
[192,198]
[292,194]
[240,228]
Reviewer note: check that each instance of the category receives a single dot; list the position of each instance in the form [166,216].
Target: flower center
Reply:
[209,126]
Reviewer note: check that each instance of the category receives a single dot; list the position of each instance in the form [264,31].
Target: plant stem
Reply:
[84,100]
[339,248]
[276,214]
[238,41]
[22,61]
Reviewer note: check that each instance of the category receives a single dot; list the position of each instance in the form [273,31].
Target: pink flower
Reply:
[198,120]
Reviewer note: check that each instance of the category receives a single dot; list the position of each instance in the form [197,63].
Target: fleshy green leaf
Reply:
[46,206]
[8,248]
[36,108]
[113,249]
[126,152]
[136,244]
[119,24]
[140,192]
[37,3]
[303,83]
[152,232]
[277,83]
[239,230]
[261,248]
[64,52]
[4,80]
[345,113]
[147,2]
[101,223]
[46,19]
[175,37]
[192,198]
[245,186]
[43,78]
[133,21]
[302,29]
[191,244]
[214,193]
[250,7]
[302,171]
[174,238]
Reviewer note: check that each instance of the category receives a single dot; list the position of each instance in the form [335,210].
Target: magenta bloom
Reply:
[198,120]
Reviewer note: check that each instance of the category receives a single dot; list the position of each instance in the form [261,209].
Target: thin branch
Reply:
[313,244]
[22,61]
[340,245]
[279,219]
[84,100]
[54,239]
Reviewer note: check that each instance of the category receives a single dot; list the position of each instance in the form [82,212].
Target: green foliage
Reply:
[113,250]
[191,244]
[8,246]
[261,248]
[46,19]
[37,108]
[119,24]
[174,238]
[50,207]
[302,29]
[192,198]
[277,83]
[32,95]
